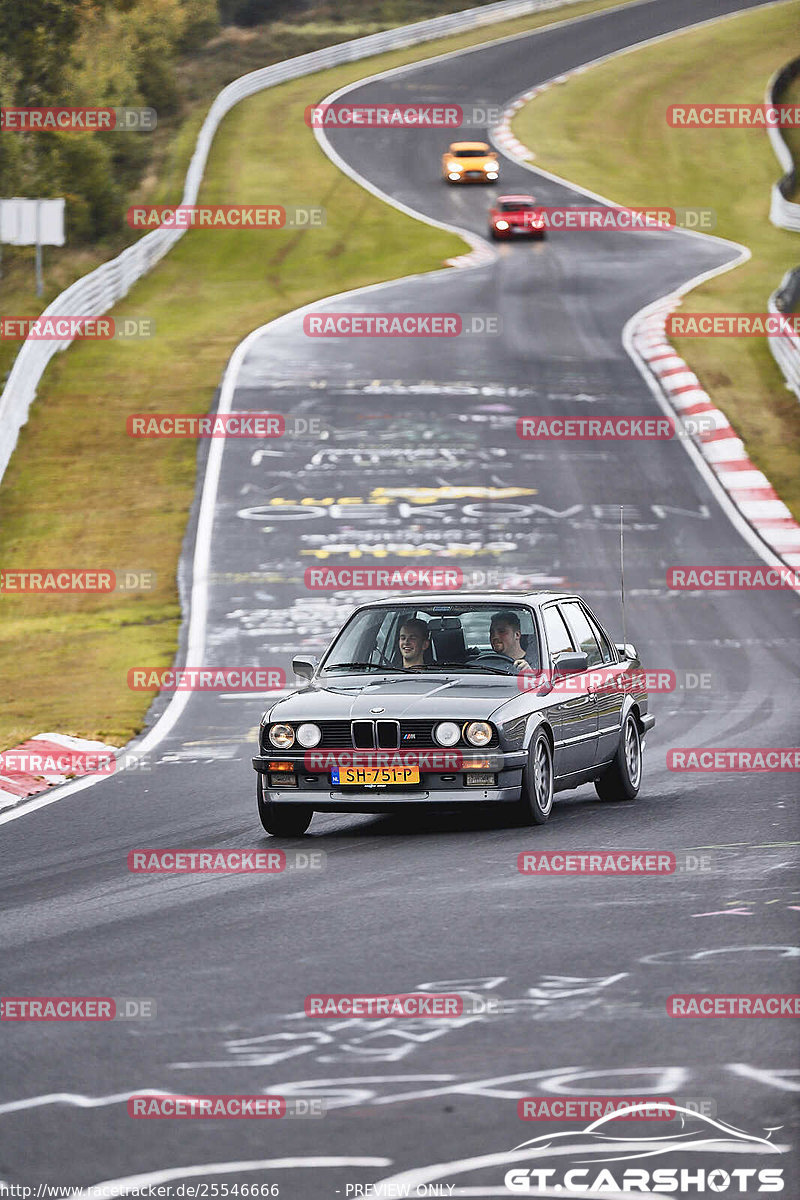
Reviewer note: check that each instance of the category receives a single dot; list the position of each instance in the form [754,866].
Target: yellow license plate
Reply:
[374,776]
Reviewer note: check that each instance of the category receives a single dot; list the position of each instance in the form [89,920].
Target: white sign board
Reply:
[26,222]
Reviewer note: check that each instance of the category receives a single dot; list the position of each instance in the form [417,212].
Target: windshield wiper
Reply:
[463,666]
[356,666]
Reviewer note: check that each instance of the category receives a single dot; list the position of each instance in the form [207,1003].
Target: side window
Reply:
[605,645]
[584,634]
[558,638]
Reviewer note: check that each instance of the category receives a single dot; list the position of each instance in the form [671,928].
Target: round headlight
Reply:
[492,166]
[309,735]
[454,166]
[281,736]
[501,224]
[478,733]
[447,733]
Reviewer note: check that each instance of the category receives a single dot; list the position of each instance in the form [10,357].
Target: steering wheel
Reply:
[385,660]
[499,659]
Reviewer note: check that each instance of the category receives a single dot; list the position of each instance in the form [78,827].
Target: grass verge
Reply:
[79,493]
[606,130]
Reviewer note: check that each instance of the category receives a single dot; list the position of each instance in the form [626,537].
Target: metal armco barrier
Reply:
[98,291]
[786,215]
[786,348]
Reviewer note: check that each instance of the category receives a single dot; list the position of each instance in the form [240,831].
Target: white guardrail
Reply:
[98,291]
[786,215]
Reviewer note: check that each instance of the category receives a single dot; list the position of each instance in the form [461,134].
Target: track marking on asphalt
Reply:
[198,604]
[670,299]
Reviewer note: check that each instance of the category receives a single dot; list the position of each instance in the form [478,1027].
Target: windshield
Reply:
[497,639]
[470,153]
[517,206]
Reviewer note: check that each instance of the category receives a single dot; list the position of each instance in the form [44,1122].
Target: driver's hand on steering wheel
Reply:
[522,664]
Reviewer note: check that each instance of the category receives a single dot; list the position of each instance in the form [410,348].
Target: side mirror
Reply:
[304,666]
[627,650]
[570,664]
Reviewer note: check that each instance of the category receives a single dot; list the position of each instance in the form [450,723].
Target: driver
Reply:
[413,641]
[504,635]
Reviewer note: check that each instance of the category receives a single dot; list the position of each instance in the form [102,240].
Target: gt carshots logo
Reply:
[604,1142]
[683,1180]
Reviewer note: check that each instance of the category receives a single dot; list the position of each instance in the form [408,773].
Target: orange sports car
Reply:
[470,162]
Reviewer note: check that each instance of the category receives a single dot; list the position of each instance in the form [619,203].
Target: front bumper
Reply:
[471,177]
[438,785]
[517,231]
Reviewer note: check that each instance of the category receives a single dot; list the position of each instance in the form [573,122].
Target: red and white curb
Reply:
[16,786]
[748,488]
[501,133]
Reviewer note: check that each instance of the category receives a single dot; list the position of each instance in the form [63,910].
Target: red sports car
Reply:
[515,216]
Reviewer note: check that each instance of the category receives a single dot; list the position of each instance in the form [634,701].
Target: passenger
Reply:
[504,635]
[413,641]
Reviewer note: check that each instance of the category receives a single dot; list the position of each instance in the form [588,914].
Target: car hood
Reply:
[516,217]
[471,161]
[435,696]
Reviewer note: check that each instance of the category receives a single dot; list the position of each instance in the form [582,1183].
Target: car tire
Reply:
[536,800]
[623,778]
[283,820]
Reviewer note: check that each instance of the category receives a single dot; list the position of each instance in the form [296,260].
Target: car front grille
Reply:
[335,735]
[382,734]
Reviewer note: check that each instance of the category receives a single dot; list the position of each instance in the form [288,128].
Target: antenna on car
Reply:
[622,573]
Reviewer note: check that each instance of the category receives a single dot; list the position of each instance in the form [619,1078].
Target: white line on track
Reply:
[198,604]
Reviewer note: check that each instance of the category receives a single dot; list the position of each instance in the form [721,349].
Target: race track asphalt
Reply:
[416,901]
